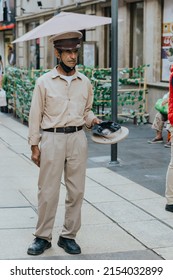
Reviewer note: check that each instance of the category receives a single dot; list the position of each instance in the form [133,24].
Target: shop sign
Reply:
[7,26]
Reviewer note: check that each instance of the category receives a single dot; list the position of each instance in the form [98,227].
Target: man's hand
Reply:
[95,121]
[35,155]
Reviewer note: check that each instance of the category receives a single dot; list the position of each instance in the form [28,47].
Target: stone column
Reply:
[152,38]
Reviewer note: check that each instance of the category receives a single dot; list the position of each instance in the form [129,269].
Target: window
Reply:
[136,44]
[167,40]
[33,49]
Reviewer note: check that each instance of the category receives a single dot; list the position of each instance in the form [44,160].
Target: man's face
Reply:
[69,57]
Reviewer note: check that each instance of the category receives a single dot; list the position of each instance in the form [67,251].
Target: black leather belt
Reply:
[67,129]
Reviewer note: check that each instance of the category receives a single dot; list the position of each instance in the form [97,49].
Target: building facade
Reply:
[39,51]
[7,30]
[145,30]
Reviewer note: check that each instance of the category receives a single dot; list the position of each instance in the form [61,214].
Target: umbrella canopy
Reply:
[64,22]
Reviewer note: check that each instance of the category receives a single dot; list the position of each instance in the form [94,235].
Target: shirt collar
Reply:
[55,74]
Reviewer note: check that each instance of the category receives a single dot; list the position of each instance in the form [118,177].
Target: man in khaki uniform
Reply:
[61,106]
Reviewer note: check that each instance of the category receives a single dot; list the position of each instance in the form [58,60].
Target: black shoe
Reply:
[155,140]
[69,245]
[38,246]
[169,207]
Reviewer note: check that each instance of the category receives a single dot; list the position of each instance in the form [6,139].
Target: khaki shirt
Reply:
[55,103]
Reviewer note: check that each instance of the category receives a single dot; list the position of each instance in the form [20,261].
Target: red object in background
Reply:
[170,103]
[8,26]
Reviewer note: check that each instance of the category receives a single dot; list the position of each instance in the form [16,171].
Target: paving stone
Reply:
[17,217]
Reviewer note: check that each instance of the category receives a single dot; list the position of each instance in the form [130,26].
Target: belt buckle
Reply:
[67,129]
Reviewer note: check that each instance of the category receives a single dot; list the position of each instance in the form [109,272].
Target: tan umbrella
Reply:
[64,22]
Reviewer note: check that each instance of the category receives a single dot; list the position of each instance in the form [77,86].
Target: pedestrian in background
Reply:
[61,106]
[158,124]
[169,175]
[11,57]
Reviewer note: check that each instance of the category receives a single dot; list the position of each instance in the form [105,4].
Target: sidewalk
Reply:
[121,217]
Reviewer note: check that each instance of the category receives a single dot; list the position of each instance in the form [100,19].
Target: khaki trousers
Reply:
[61,152]
[169,175]
[158,122]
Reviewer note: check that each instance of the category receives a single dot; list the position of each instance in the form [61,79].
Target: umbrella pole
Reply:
[114,66]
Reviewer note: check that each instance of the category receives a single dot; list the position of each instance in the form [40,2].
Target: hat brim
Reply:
[116,137]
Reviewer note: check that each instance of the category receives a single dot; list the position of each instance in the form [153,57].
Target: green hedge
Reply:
[19,85]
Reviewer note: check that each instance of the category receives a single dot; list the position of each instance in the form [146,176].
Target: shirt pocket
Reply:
[55,105]
[82,103]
